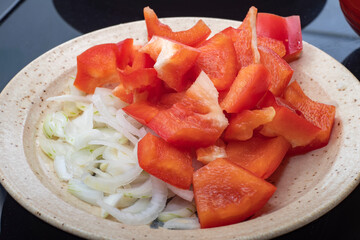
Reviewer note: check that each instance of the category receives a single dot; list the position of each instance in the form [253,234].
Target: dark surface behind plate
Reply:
[36,26]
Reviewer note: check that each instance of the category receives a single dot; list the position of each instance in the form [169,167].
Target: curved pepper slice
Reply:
[191,37]
[226,193]
[280,71]
[242,125]
[165,162]
[319,114]
[218,60]
[210,153]
[173,61]
[249,87]
[288,122]
[97,66]
[285,29]
[246,41]
[276,45]
[259,155]
[196,120]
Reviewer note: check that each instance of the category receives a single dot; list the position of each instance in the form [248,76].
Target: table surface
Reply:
[34,27]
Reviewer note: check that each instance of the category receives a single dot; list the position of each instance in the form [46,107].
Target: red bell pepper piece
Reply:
[142,111]
[276,45]
[280,71]
[246,40]
[210,153]
[319,114]
[126,51]
[194,121]
[97,66]
[242,125]
[173,61]
[285,29]
[288,122]
[248,88]
[165,162]
[242,195]
[191,37]
[259,155]
[218,60]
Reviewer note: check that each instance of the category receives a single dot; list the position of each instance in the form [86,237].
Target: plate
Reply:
[308,186]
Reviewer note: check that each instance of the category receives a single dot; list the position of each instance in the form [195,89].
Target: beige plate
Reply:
[308,185]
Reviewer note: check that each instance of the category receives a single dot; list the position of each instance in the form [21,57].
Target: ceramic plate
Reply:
[307,186]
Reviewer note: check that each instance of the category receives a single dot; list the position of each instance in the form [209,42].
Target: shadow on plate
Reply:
[90,15]
[352,62]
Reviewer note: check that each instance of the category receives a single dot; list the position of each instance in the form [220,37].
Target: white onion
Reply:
[60,168]
[177,208]
[141,191]
[83,192]
[184,194]
[183,223]
[140,205]
[110,185]
[157,204]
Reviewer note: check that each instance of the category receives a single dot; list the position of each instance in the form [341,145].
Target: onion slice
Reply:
[156,205]
[184,194]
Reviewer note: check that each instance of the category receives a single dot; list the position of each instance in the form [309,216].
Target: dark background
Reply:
[33,27]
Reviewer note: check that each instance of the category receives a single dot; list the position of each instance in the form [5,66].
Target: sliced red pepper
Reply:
[280,71]
[173,61]
[242,195]
[246,40]
[126,52]
[142,111]
[288,122]
[248,88]
[196,120]
[242,125]
[319,114]
[164,161]
[97,66]
[218,60]
[191,37]
[259,155]
[285,29]
[276,45]
[210,153]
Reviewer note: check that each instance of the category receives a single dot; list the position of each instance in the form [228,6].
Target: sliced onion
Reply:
[184,194]
[177,208]
[110,185]
[70,98]
[141,191]
[138,206]
[183,223]
[60,168]
[120,116]
[117,200]
[83,192]
[157,204]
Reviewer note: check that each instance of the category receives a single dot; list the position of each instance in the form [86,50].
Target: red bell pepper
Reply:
[242,125]
[126,51]
[288,122]
[218,60]
[242,195]
[196,120]
[280,71]
[248,88]
[173,61]
[97,66]
[319,114]
[191,37]
[285,29]
[209,154]
[259,155]
[162,160]
[276,45]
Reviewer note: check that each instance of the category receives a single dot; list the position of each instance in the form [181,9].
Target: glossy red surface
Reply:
[351,10]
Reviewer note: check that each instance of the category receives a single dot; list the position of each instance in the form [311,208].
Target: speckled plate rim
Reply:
[24,184]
